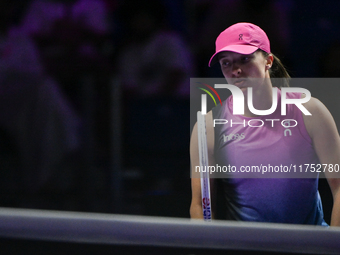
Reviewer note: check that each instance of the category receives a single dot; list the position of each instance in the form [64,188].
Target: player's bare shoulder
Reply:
[313,104]
[319,117]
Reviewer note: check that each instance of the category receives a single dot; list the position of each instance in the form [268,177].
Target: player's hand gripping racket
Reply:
[204,173]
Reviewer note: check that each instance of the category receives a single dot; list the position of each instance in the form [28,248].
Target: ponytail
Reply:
[278,70]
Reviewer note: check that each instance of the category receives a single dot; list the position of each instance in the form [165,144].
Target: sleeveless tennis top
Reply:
[275,141]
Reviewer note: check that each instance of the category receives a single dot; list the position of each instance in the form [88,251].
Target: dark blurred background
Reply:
[94,94]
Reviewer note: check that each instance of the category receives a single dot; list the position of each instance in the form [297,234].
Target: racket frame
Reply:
[204,166]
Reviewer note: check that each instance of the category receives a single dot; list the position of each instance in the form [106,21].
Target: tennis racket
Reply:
[203,160]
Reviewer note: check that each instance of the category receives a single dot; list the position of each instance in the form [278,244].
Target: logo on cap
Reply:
[252,37]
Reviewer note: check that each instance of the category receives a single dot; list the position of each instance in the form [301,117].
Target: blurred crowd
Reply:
[61,60]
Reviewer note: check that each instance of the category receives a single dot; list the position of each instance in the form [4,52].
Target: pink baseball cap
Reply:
[243,38]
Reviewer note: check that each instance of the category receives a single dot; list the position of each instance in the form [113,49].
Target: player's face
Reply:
[239,69]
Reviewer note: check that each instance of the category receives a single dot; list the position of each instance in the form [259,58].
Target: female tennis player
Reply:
[243,52]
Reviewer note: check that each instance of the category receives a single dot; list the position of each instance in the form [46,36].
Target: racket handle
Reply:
[203,160]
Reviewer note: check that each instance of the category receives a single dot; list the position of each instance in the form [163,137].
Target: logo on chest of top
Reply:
[286,125]
[233,137]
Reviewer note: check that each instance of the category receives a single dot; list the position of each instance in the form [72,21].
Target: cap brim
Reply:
[241,49]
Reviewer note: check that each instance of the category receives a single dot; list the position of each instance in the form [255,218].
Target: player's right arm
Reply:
[196,211]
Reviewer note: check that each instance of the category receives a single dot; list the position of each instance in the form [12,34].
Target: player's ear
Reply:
[269,61]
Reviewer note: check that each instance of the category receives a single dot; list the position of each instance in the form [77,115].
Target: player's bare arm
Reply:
[323,131]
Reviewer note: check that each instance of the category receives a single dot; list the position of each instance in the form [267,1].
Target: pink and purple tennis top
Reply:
[279,197]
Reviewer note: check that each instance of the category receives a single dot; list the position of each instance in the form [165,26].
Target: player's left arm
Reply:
[323,131]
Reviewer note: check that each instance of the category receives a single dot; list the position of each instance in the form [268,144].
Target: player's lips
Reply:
[239,82]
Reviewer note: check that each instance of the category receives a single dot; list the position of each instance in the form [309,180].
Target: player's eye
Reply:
[245,59]
[225,63]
